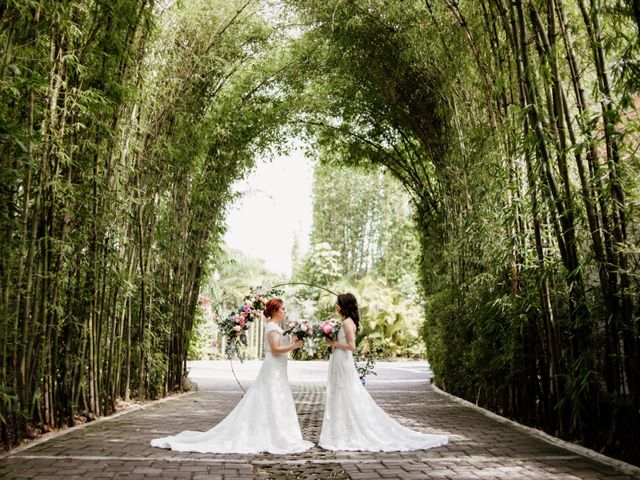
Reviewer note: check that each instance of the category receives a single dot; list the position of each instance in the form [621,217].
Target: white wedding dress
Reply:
[265,420]
[352,419]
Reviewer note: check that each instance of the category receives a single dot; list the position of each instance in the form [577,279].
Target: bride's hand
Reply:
[330,341]
[298,343]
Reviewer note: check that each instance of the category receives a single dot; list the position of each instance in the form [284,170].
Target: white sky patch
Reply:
[275,206]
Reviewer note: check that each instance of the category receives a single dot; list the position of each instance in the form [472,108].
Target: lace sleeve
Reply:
[270,327]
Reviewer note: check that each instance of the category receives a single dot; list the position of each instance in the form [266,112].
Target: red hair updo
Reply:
[272,306]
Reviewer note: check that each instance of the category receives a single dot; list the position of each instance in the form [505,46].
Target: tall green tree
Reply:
[514,134]
[366,217]
[123,126]
[511,125]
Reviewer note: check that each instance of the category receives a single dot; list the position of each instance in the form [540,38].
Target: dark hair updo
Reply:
[272,306]
[349,308]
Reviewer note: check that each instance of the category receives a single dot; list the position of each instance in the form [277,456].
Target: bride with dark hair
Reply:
[352,420]
[265,419]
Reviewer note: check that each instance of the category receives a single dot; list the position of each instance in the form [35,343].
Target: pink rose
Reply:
[327,329]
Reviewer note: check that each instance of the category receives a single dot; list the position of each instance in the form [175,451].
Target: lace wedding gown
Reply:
[264,420]
[352,419]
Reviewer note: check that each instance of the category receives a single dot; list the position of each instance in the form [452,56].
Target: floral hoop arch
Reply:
[235,325]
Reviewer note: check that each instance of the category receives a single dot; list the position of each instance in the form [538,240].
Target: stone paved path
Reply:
[479,447]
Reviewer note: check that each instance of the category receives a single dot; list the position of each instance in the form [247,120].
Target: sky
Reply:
[275,205]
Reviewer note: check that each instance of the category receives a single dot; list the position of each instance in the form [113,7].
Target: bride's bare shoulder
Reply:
[348,321]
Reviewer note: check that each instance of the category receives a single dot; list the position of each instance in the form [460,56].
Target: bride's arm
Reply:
[277,349]
[350,333]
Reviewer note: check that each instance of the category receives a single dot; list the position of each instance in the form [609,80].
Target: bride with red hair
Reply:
[265,420]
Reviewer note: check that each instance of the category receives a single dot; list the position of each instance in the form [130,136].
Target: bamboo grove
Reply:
[513,125]
[120,140]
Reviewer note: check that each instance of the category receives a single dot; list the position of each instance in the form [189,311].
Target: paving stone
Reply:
[479,447]
[364,476]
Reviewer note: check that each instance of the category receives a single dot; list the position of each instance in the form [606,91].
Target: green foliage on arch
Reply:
[514,127]
[124,124]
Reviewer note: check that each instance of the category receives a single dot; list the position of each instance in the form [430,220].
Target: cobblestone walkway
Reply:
[479,447]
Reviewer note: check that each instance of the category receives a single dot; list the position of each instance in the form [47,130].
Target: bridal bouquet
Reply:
[329,329]
[300,328]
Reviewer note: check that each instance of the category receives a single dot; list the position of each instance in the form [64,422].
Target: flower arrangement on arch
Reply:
[235,325]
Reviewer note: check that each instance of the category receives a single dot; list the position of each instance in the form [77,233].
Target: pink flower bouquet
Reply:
[299,328]
[329,329]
